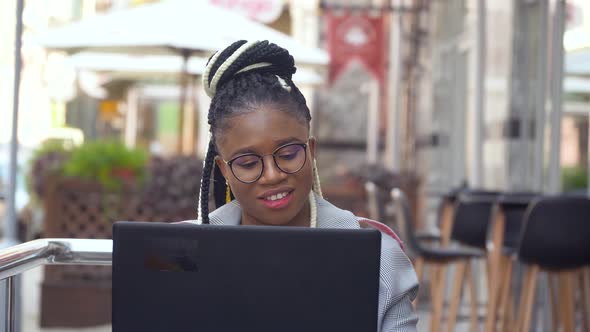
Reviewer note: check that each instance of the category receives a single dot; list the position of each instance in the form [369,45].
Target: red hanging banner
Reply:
[360,36]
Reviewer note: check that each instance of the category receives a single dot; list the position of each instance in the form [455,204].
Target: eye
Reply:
[288,156]
[247,162]
[289,152]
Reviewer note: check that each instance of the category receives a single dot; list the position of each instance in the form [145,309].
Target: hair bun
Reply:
[246,56]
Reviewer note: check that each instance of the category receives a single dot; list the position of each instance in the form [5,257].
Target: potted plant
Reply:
[110,163]
[574,178]
[96,184]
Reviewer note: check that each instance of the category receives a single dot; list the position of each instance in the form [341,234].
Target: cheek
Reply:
[305,176]
[240,190]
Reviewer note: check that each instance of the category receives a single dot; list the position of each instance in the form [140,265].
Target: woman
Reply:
[262,154]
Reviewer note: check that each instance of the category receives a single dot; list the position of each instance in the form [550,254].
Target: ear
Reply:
[311,145]
[222,166]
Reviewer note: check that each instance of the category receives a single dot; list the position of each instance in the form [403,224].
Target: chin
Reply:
[277,221]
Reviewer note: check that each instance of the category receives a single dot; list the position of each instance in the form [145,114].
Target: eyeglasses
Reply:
[248,168]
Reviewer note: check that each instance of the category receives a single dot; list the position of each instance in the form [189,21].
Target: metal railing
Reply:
[17,259]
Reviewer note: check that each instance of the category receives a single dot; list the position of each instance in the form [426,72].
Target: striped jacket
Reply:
[398,282]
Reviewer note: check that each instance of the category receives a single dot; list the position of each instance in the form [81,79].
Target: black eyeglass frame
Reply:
[261,157]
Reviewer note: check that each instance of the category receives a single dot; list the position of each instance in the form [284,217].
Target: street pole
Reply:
[183,107]
[392,142]
[556,97]
[539,152]
[131,117]
[372,90]
[10,224]
[588,160]
[478,148]
[10,290]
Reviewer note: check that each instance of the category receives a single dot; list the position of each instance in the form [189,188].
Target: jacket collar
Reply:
[329,216]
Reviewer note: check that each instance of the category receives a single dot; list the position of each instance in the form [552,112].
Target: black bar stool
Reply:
[473,212]
[555,239]
[438,258]
[503,241]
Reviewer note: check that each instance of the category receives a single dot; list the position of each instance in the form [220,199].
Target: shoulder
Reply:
[228,214]
[397,273]
[384,229]
[397,278]
[398,283]
[331,216]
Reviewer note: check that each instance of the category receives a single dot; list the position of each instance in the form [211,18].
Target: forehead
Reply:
[260,131]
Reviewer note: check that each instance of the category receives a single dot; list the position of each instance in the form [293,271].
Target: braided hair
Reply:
[239,79]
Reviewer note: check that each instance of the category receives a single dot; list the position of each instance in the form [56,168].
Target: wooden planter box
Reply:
[78,296]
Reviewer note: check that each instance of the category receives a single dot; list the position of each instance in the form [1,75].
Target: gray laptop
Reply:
[186,277]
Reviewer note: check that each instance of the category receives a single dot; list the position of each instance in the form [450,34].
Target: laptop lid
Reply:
[187,277]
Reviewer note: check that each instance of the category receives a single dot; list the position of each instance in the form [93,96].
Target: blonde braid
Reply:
[206,74]
[317,187]
[226,64]
[316,190]
[313,210]
[254,66]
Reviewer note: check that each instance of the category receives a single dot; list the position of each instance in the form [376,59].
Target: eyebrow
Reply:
[279,143]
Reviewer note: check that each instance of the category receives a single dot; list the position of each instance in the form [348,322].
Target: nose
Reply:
[271,173]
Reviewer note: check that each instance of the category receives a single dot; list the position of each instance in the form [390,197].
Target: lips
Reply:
[277,198]
[275,192]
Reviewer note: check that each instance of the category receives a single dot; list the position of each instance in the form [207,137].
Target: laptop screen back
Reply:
[187,277]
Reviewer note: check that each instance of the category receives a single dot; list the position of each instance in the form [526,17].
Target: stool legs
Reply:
[462,275]
[472,298]
[566,300]
[419,266]
[553,299]
[499,310]
[495,261]
[493,299]
[505,301]
[526,298]
[439,279]
[459,276]
[586,298]
[499,279]
[562,299]
[509,320]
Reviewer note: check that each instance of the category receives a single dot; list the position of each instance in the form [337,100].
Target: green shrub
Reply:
[109,163]
[573,178]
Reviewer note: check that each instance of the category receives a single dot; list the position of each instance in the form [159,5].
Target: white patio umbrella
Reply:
[140,67]
[125,67]
[171,27]
[180,27]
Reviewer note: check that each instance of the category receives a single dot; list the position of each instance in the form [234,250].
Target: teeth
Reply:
[277,196]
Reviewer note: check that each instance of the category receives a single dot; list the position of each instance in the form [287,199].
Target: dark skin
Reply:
[262,131]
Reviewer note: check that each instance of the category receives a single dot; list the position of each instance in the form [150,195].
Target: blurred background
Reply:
[103,118]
